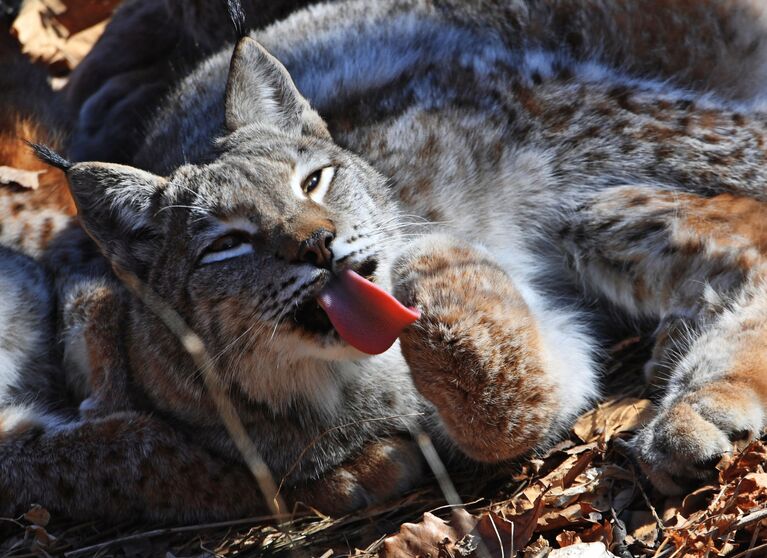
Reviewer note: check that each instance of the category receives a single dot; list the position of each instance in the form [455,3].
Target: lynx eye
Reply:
[316,184]
[226,247]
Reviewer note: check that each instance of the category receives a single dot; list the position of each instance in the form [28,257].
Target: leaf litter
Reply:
[583,498]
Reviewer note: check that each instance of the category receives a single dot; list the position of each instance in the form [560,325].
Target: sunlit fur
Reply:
[520,171]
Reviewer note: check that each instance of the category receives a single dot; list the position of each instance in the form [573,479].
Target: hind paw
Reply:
[383,470]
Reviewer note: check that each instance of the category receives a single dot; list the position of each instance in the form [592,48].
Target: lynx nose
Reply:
[316,249]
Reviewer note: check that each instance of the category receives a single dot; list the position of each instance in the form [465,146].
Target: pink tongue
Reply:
[365,315]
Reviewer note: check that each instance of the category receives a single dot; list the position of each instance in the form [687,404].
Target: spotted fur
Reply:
[500,165]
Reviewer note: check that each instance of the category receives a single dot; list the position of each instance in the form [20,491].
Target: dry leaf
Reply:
[38,515]
[750,460]
[429,536]
[583,550]
[41,536]
[498,535]
[754,482]
[599,532]
[584,460]
[613,417]
[576,450]
[698,499]
[60,33]
[531,494]
[82,14]
[647,534]
[571,516]
[24,178]
[526,523]
[567,538]
[642,526]
[538,549]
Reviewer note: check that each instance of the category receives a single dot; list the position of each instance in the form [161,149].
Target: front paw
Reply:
[684,442]
[475,352]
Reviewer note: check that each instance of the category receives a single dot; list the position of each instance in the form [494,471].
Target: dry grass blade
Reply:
[90,550]
[196,349]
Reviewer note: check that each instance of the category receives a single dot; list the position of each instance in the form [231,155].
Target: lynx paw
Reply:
[384,470]
[474,352]
[684,442]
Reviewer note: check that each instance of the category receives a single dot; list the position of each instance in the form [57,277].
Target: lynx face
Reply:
[242,246]
[263,229]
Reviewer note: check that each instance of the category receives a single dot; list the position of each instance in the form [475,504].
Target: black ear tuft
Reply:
[48,155]
[237,15]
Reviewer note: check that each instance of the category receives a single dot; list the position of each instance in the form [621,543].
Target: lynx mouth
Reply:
[310,317]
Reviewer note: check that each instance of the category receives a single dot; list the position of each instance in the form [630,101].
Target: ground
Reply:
[585,490]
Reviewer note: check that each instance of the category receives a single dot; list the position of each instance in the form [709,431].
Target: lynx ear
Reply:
[115,205]
[260,90]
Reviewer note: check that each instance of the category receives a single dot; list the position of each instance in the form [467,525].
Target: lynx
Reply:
[468,190]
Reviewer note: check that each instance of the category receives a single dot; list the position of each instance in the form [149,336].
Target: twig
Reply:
[451,506]
[162,532]
[437,467]
[660,552]
[622,447]
[754,538]
[647,501]
[750,551]
[196,349]
[500,540]
[744,521]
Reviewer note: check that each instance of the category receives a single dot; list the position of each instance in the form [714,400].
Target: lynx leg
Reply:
[717,394]
[124,466]
[481,355]
[96,367]
[129,465]
[698,265]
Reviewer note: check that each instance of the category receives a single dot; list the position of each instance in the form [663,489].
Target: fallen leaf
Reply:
[698,499]
[38,515]
[59,33]
[531,494]
[562,518]
[642,526]
[82,14]
[599,532]
[583,550]
[613,417]
[428,537]
[538,549]
[754,482]
[750,460]
[647,534]
[567,538]
[584,460]
[581,448]
[526,523]
[24,178]
[497,534]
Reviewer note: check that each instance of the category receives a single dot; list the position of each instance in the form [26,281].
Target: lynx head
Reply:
[242,246]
